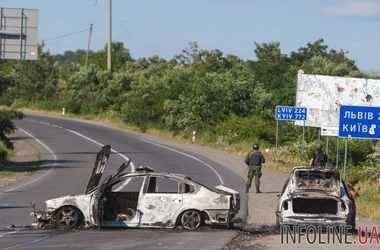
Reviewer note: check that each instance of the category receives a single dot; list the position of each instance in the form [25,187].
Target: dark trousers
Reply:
[254,171]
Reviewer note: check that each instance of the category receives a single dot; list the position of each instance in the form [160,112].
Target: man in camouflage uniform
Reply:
[254,160]
[319,159]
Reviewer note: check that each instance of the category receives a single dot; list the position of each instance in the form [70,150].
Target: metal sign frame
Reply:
[18,34]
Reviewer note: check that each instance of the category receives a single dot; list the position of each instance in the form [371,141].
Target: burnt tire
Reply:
[191,220]
[67,218]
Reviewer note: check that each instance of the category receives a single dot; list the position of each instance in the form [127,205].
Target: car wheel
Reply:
[191,220]
[67,217]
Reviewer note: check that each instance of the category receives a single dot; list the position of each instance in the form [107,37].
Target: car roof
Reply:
[143,173]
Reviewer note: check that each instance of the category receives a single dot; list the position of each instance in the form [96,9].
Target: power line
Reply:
[65,35]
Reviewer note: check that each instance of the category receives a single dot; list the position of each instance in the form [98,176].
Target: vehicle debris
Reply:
[140,198]
[315,196]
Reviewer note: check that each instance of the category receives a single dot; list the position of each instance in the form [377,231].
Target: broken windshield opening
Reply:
[316,180]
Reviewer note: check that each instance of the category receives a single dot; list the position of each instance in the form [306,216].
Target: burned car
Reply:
[315,196]
[140,197]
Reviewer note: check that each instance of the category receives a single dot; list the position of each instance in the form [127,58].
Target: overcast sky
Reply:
[164,27]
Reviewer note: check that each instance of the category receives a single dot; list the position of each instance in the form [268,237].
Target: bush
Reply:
[360,150]
[3,154]
[236,129]
[7,126]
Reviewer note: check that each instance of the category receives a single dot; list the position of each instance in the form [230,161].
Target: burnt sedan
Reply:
[141,198]
[315,196]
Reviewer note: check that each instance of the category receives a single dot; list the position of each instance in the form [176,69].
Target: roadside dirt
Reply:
[22,164]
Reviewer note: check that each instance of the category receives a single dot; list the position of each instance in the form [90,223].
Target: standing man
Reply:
[320,158]
[254,160]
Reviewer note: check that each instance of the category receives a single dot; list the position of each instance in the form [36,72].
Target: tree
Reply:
[34,81]
[120,56]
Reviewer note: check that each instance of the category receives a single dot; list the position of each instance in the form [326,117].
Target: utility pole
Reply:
[89,43]
[109,54]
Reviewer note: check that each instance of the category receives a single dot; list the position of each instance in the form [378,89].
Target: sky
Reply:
[165,27]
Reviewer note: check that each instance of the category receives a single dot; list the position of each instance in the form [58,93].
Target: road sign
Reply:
[291,113]
[359,122]
[329,129]
[18,34]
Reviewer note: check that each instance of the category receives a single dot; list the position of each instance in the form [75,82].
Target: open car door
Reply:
[100,165]
[121,169]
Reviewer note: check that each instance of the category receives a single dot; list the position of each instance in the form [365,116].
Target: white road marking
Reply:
[133,168]
[145,140]
[24,245]
[44,174]
[86,138]
[187,155]
[8,233]
[33,180]
[102,145]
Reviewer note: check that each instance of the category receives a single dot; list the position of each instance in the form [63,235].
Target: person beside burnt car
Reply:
[319,159]
[254,160]
[352,186]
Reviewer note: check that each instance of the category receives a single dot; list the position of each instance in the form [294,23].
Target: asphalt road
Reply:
[68,148]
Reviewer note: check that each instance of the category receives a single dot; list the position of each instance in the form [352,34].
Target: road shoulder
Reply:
[23,165]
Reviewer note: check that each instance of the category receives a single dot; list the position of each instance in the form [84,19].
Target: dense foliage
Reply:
[223,97]
[6,127]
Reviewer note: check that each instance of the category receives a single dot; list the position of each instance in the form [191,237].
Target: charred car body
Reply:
[140,198]
[315,196]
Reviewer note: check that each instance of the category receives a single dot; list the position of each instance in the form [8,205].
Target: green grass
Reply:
[5,154]
[369,200]
[7,173]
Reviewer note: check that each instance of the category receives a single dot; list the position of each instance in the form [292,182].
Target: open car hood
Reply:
[316,181]
[100,164]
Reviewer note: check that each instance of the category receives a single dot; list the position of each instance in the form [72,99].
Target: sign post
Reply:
[331,129]
[359,122]
[276,134]
[345,158]
[337,154]
[291,113]
[303,137]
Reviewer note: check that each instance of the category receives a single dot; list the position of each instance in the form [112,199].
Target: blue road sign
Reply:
[291,113]
[359,122]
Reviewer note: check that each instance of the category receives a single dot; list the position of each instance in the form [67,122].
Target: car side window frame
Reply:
[111,187]
[193,188]
[147,186]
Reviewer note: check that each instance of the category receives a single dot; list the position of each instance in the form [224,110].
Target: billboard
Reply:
[18,34]
[323,95]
